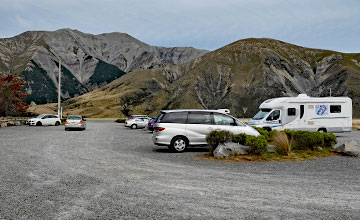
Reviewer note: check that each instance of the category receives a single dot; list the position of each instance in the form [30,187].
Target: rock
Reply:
[271,148]
[319,148]
[350,148]
[17,123]
[4,125]
[10,123]
[229,149]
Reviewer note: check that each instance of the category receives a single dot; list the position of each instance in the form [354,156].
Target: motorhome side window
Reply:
[291,111]
[275,115]
[335,108]
[199,118]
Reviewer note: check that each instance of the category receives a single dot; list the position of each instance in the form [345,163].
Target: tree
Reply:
[12,96]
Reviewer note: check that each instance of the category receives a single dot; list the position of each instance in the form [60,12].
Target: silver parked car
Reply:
[179,129]
[44,119]
[139,122]
[75,122]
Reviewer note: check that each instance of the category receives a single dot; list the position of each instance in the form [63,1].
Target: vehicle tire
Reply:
[38,123]
[57,123]
[178,144]
[322,130]
[267,128]
[66,129]
[133,126]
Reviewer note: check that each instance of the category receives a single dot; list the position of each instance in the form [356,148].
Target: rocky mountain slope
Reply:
[238,76]
[89,61]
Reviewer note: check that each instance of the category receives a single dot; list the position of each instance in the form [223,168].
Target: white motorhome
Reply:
[326,114]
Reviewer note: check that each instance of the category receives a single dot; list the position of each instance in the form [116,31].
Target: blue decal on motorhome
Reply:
[322,110]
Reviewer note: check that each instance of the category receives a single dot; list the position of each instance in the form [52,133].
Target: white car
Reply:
[179,129]
[75,122]
[44,119]
[140,122]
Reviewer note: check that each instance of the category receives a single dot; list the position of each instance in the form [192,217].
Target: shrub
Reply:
[282,143]
[329,140]
[258,145]
[120,120]
[239,138]
[214,138]
[306,140]
[262,132]
[267,134]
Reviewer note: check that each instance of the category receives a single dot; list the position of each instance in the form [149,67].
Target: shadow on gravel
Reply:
[192,149]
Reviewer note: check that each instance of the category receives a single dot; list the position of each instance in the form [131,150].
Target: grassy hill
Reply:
[238,76]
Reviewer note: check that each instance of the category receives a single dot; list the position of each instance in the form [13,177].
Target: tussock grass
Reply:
[282,143]
[356,124]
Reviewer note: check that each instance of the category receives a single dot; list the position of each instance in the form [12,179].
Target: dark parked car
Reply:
[151,123]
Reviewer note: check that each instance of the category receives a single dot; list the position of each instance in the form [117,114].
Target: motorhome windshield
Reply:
[261,114]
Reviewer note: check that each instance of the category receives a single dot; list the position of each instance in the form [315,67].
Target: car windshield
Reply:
[239,123]
[73,117]
[40,116]
[261,114]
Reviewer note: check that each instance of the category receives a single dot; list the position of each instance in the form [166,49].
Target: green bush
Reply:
[267,134]
[214,138]
[239,138]
[329,140]
[306,140]
[120,120]
[258,145]
[262,132]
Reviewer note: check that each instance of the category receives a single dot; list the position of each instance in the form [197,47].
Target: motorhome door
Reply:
[273,120]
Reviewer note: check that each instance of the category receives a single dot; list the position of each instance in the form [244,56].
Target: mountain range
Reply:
[88,61]
[238,76]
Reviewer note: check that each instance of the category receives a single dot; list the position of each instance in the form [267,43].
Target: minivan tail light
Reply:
[80,122]
[66,122]
[159,128]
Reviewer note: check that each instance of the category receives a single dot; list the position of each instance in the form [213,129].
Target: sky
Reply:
[203,24]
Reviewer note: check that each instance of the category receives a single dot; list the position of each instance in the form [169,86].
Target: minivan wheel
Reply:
[38,123]
[134,126]
[57,123]
[178,144]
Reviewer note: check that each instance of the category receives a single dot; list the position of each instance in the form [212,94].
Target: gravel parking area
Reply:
[112,172]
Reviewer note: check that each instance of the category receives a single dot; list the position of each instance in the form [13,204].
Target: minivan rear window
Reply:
[199,118]
[173,117]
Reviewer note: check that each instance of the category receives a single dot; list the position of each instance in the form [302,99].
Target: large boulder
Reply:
[230,149]
[350,148]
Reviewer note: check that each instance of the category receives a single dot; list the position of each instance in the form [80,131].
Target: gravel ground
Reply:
[111,172]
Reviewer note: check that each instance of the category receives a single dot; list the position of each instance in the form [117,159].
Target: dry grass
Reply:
[282,143]
[356,124]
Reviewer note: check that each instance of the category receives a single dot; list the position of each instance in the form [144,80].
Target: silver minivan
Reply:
[179,129]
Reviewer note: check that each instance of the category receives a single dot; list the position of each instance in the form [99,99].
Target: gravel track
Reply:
[112,172]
